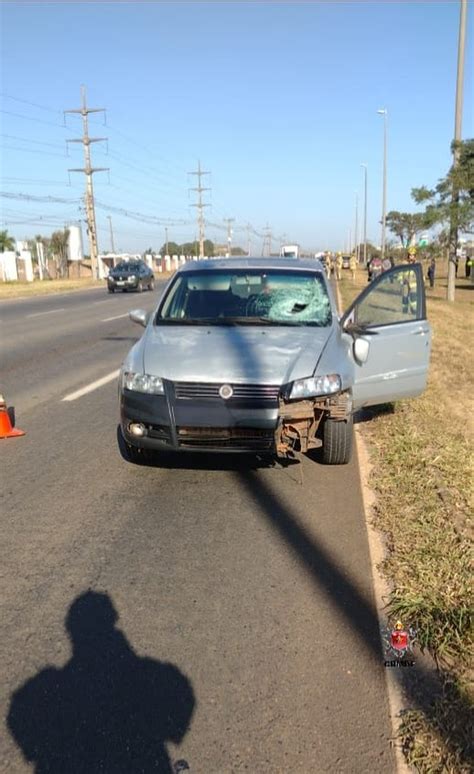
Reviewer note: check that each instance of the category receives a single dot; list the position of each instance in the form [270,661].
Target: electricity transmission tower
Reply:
[229,222]
[89,170]
[200,206]
[267,241]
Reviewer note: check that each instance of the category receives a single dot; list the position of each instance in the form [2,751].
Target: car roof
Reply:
[211,264]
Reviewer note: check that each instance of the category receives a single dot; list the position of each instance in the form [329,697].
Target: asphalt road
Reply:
[211,610]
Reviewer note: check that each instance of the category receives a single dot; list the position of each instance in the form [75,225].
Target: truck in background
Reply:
[289,251]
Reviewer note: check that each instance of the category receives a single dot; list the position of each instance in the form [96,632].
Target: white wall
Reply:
[8,263]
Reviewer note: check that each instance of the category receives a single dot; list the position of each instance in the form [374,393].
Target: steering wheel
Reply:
[257,306]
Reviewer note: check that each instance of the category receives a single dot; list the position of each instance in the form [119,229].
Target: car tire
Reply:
[151,285]
[337,442]
[111,290]
[140,287]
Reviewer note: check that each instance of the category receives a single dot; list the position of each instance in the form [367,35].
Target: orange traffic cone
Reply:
[6,428]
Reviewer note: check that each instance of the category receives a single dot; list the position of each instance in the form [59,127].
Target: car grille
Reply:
[224,438]
[161,432]
[243,393]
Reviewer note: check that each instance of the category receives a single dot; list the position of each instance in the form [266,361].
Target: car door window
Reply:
[395,297]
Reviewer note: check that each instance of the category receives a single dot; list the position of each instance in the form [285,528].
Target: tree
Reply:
[59,245]
[6,242]
[173,249]
[441,205]
[406,225]
[452,202]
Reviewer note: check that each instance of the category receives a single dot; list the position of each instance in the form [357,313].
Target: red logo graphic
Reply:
[399,637]
[399,640]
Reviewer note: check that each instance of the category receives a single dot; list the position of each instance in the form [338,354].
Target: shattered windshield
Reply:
[270,297]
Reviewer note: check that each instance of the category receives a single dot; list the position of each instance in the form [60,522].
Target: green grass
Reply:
[421,453]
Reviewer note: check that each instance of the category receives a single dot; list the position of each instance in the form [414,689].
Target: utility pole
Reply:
[356,246]
[453,230]
[89,170]
[229,222]
[200,206]
[364,166]
[112,243]
[383,112]
[166,240]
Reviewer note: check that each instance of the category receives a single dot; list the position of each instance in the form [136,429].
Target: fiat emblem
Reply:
[226,391]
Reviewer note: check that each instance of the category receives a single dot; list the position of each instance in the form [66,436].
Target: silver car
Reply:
[250,355]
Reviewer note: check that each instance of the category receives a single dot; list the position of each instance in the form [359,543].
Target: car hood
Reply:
[237,354]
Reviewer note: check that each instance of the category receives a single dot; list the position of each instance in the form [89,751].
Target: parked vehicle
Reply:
[130,275]
[249,355]
[289,251]
[346,261]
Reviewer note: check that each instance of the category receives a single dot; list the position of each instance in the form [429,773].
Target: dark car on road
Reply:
[130,275]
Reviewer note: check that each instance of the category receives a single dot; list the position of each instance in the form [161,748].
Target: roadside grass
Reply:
[421,453]
[43,287]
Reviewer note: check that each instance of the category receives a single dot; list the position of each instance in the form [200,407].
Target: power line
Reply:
[27,102]
[151,219]
[30,118]
[32,198]
[28,139]
[34,150]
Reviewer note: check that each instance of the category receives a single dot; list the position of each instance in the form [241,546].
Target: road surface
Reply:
[213,610]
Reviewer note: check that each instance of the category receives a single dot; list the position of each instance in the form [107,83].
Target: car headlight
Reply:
[315,385]
[132,278]
[153,385]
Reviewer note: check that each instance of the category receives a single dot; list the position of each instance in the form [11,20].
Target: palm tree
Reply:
[6,242]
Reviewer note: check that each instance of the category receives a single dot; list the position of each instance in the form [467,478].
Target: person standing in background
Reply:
[353,266]
[431,272]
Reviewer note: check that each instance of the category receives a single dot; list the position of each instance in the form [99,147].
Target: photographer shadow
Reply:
[107,709]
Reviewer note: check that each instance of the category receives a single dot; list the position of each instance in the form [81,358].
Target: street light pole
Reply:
[383,112]
[365,213]
[356,231]
[453,235]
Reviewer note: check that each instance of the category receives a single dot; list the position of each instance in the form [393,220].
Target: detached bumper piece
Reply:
[299,421]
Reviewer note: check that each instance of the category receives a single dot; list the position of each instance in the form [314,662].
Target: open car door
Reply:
[390,317]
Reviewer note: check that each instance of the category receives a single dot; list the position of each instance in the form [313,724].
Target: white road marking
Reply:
[91,387]
[105,301]
[117,317]
[51,311]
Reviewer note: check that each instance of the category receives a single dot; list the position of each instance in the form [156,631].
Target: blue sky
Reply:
[278,100]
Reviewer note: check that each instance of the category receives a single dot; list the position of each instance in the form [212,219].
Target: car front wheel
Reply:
[111,290]
[140,287]
[151,285]
[337,442]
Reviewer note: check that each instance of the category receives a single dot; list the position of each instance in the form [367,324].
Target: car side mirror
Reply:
[361,350]
[139,316]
